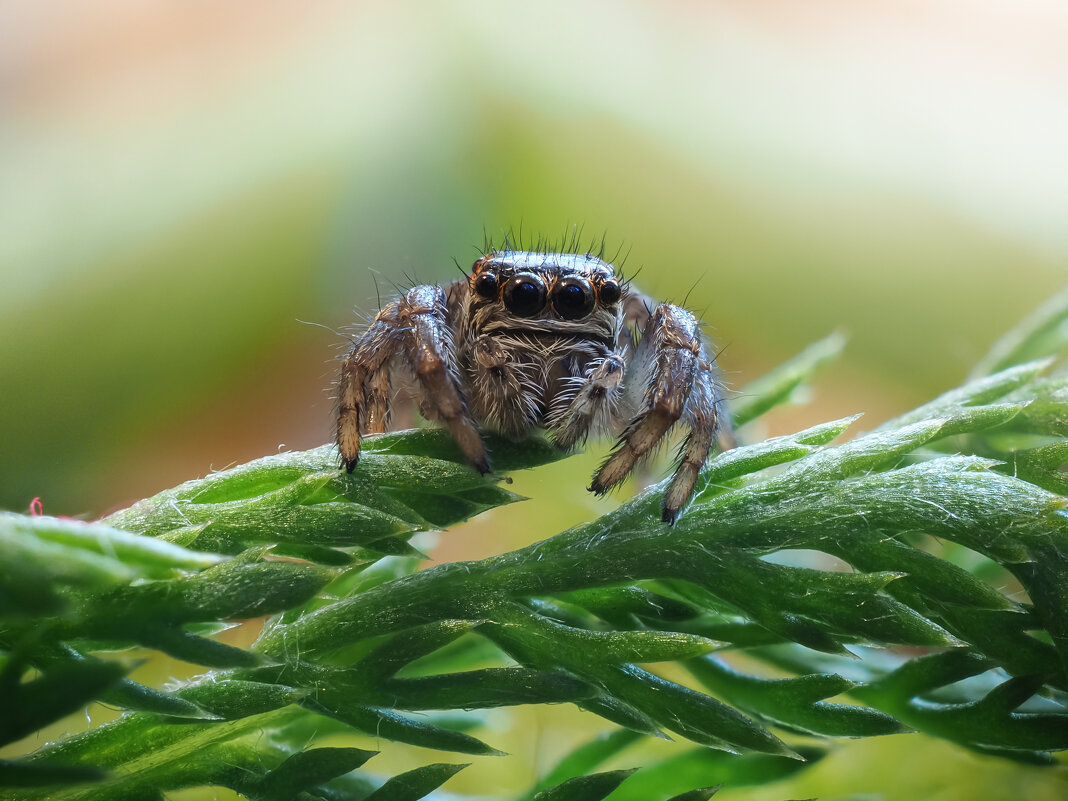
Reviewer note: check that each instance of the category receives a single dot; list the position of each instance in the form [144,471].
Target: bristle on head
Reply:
[571,241]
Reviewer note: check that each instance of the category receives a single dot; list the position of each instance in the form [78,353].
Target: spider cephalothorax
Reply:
[551,340]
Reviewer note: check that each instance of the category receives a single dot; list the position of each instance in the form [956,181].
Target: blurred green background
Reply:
[195,198]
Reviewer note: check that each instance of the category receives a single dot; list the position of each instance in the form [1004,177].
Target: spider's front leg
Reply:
[430,350]
[680,383]
[417,327]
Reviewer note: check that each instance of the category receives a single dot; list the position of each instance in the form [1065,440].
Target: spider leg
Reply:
[599,391]
[363,389]
[679,380]
[431,354]
[702,414]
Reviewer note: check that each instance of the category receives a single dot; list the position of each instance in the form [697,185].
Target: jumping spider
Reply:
[540,340]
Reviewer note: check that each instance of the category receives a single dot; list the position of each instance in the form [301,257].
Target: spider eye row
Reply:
[525,294]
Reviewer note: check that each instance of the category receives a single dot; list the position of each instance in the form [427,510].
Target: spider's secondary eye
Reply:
[573,298]
[609,292]
[486,286]
[524,295]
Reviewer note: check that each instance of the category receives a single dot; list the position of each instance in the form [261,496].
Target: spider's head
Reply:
[554,291]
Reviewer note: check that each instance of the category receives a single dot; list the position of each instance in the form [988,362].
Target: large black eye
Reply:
[486,286]
[609,292]
[524,295]
[573,298]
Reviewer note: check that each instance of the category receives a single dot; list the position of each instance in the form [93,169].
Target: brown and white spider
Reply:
[551,340]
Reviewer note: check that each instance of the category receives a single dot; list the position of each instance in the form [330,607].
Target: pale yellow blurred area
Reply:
[195,196]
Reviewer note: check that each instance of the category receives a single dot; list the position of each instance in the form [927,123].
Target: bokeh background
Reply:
[196,197]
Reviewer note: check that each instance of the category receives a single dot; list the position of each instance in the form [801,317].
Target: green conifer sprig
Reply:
[914,577]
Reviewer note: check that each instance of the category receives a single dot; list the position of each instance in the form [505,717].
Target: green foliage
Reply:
[912,578]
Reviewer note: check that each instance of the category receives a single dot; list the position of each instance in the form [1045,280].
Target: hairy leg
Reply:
[430,351]
[670,363]
[706,423]
[363,389]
